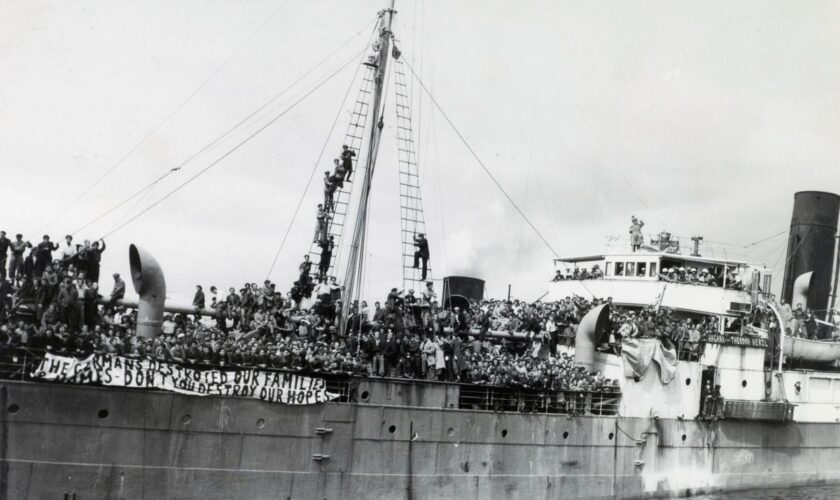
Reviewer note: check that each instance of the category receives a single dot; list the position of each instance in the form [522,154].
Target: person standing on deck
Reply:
[636,238]
[5,243]
[16,262]
[43,255]
[94,258]
[198,300]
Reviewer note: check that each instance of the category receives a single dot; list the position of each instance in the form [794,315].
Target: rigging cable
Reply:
[165,120]
[144,189]
[235,148]
[527,189]
[317,163]
[231,130]
[481,163]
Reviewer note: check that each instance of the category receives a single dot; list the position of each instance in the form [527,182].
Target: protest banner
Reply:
[118,371]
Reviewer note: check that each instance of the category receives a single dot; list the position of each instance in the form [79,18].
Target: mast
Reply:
[356,259]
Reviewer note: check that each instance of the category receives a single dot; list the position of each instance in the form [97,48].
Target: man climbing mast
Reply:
[422,253]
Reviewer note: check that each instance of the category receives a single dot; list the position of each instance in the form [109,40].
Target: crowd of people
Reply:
[684,333]
[55,304]
[52,283]
[709,276]
[407,335]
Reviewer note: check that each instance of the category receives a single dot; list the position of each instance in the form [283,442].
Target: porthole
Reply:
[743,383]
[392,429]
[504,432]
[566,435]
[683,438]
[610,436]
[102,413]
[260,423]
[450,432]
[13,408]
[186,419]
[365,395]
[688,381]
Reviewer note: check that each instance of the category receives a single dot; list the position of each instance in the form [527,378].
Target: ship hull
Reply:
[105,443]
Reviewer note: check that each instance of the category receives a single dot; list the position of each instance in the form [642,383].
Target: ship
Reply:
[775,419]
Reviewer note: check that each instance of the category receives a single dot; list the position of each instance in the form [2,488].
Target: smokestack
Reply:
[147,277]
[459,290]
[811,245]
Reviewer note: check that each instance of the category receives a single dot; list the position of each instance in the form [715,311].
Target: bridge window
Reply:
[619,268]
[652,271]
[608,268]
[641,269]
[630,269]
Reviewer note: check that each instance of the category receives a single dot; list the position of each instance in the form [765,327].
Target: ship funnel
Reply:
[811,244]
[801,287]
[588,334]
[150,285]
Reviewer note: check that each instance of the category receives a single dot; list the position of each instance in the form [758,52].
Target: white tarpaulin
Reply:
[639,353]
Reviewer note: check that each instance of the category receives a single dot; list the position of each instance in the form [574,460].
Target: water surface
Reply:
[820,492]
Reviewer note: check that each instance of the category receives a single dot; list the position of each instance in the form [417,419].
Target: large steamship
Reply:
[390,438]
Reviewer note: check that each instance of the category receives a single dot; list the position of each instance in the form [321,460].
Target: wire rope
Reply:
[480,162]
[235,148]
[230,130]
[166,119]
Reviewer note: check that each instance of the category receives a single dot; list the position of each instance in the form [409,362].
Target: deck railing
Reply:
[19,363]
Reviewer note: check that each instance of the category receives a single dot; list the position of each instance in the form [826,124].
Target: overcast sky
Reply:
[699,117]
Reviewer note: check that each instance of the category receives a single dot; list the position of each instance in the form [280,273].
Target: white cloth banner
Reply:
[274,387]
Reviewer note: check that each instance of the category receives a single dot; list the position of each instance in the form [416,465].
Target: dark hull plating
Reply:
[125,444]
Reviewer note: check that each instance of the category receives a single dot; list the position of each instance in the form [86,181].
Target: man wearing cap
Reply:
[5,243]
[118,291]
[43,254]
[327,247]
[304,268]
[636,238]
[68,252]
[329,190]
[198,299]
[347,155]
[323,219]
[16,262]
[340,171]
[422,252]
[94,258]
